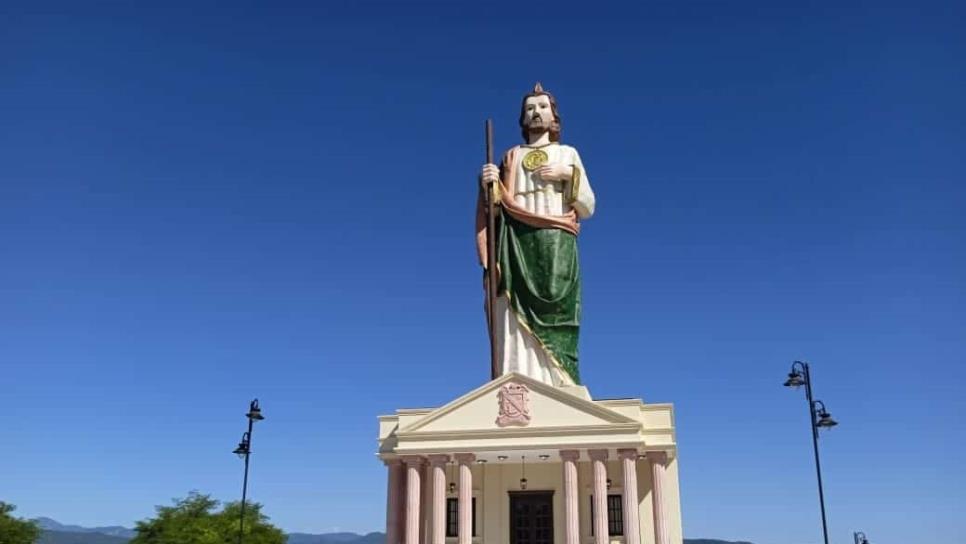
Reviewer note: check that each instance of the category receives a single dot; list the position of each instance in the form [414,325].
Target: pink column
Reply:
[601,530]
[658,460]
[413,472]
[393,503]
[571,501]
[465,497]
[401,494]
[425,502]
[632,523]
[437,465]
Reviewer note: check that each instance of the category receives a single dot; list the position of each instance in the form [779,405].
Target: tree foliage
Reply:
[197,520]
[15,530]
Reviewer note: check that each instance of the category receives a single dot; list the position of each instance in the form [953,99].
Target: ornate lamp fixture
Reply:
[523,466]
[819,418]
[243,451]
[254,412]
[452,483]
[825,420]
[244,447]
[795,379]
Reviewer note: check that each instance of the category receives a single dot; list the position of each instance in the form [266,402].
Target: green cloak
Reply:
[540,274]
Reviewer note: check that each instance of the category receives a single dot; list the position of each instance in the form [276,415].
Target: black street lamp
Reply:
[860,538]
[244,450]
[820,419]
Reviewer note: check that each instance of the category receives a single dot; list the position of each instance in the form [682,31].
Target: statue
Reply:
[543,191]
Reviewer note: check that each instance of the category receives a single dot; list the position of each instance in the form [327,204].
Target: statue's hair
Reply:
[554,125]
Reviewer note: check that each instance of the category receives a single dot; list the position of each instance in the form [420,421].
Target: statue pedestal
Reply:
[520,461]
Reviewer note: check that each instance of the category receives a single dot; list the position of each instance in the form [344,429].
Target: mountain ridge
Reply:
[55,532]
[49,524]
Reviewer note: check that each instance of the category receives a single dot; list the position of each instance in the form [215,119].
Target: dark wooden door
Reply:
[531,518]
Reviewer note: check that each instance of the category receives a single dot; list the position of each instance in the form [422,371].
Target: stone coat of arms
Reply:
[514,405]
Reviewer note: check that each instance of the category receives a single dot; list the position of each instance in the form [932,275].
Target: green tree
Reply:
[15,530]
[197,520]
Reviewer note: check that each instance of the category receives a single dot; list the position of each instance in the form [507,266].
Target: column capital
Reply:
[597,455]
[394,462]
[464,458]
[414,461]
[438,460]
[659,457]
[570,455]
[628,453]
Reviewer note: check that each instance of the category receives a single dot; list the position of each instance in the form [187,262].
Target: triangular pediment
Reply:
[549,407]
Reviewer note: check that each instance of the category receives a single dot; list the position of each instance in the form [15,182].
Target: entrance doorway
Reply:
[531,517]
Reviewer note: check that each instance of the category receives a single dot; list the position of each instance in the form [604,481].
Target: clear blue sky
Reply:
[199,205]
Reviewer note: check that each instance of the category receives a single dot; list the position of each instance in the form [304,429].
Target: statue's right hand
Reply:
[489,174]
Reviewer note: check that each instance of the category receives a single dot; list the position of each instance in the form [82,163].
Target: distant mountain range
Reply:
[58,533]
[55,532]
[48,524]
[66,537]
[337,538]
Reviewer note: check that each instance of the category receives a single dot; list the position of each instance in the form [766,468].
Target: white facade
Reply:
[568,445]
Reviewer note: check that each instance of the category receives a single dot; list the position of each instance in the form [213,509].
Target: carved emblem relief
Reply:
[514,405]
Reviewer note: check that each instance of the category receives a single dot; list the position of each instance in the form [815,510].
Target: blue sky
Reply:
[200,204]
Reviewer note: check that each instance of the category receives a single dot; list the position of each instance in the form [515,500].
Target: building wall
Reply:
[493,507]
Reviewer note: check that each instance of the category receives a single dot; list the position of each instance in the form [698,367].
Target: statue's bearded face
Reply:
[538,116]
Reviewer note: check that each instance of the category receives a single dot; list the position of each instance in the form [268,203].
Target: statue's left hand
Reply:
[555,172]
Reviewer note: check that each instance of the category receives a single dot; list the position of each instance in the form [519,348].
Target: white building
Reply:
[519,461]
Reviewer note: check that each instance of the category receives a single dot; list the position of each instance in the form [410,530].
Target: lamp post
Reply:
[860,538]
[244,450]
[820,418]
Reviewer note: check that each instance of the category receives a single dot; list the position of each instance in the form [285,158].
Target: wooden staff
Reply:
[491,256]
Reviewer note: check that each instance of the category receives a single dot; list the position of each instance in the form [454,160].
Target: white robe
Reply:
[517,349]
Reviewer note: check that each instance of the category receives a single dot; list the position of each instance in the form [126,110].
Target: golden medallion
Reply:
[535,159]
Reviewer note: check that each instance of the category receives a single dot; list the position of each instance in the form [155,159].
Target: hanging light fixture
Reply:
[452,484]
[795,379]
[243,448]
[825,420]
[523,479]
[254,412]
